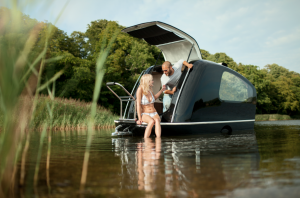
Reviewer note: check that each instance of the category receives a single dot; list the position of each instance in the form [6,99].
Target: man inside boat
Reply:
[170,78]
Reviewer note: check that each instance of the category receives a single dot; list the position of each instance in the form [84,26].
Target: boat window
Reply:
[233,88]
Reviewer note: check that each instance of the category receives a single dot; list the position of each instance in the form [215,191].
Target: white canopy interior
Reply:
[174,43]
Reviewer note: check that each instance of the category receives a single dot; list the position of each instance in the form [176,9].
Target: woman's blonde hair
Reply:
[144,83]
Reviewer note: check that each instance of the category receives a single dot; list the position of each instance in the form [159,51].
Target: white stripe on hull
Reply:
[197,123]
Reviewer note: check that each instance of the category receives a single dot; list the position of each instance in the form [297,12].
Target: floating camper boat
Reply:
[210,97]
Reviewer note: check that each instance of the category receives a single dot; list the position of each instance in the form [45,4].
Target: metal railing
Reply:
[122,98]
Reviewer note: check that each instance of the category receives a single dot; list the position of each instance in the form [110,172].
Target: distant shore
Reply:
[274,117]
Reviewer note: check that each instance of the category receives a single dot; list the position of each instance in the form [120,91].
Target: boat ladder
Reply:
[122,99]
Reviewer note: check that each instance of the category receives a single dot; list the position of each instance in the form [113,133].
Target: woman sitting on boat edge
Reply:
[145,109]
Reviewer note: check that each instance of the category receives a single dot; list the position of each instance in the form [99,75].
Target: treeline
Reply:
[278,89]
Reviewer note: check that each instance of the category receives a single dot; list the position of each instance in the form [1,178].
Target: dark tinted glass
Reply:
[223,95]
[234,89]
[208,89]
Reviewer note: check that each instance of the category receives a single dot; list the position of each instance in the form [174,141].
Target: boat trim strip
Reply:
[178,97]
[197,123]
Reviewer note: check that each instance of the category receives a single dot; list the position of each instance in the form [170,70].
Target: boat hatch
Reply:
[174,43]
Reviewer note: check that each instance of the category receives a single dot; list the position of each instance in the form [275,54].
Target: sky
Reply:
[252,32]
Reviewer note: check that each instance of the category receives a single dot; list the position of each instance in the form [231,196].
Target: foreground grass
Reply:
[67,114]
[271,117]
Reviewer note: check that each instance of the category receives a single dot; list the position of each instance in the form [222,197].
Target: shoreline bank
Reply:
[275,117]
[67,114]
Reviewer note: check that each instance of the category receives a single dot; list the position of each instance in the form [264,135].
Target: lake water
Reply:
[260,163]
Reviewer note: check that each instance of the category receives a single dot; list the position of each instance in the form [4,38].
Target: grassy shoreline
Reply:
[68,114]
[274,117]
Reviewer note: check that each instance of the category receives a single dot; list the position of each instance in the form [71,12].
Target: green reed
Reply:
[65,114]
[37,166]
[100,71]
[22,54]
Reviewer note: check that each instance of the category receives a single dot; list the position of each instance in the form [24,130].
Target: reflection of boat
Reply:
[209,98]
[203,166]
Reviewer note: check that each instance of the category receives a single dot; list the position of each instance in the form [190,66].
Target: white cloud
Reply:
[284,40]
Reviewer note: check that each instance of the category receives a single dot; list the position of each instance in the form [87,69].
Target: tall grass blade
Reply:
[15,168]
[50,110]
[33,65]
[54,78]
[99,77]
[15,68]
[37,166]
[25,150]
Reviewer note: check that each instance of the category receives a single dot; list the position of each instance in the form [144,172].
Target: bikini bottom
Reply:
[150,114]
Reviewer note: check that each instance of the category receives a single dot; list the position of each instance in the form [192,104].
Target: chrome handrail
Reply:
[132,92]
[122,98]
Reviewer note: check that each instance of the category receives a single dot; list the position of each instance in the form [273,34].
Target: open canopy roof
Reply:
[174,43]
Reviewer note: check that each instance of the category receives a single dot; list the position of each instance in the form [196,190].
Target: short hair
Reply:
[167,63]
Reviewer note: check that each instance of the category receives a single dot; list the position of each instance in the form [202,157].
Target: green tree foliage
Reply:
[80,44]
[222,58]
[127,59]
[285,88]
[296,88]
[204,54]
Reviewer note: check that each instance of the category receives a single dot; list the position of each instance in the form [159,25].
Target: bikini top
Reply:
[145,100]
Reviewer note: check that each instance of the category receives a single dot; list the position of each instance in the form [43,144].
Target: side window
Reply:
[233,88]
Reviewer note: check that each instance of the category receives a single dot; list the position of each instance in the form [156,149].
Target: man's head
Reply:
[167,68]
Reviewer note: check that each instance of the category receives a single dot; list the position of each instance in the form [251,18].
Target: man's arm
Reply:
[160,92]
[170,92]
[187,64]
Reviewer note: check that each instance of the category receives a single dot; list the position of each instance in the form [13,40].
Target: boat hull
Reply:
[193,128]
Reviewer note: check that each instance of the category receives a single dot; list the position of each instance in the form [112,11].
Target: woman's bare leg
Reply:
[157,125]
[151,122]
[157,147]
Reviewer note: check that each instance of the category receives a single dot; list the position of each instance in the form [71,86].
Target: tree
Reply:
[205,54]
[222,58]
[276,70]
[288,100]
[127,59]
[80,44]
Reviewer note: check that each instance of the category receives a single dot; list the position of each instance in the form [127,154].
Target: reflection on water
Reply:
[189,166]
[260,163]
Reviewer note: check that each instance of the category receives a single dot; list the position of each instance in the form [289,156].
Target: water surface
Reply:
[260,163]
